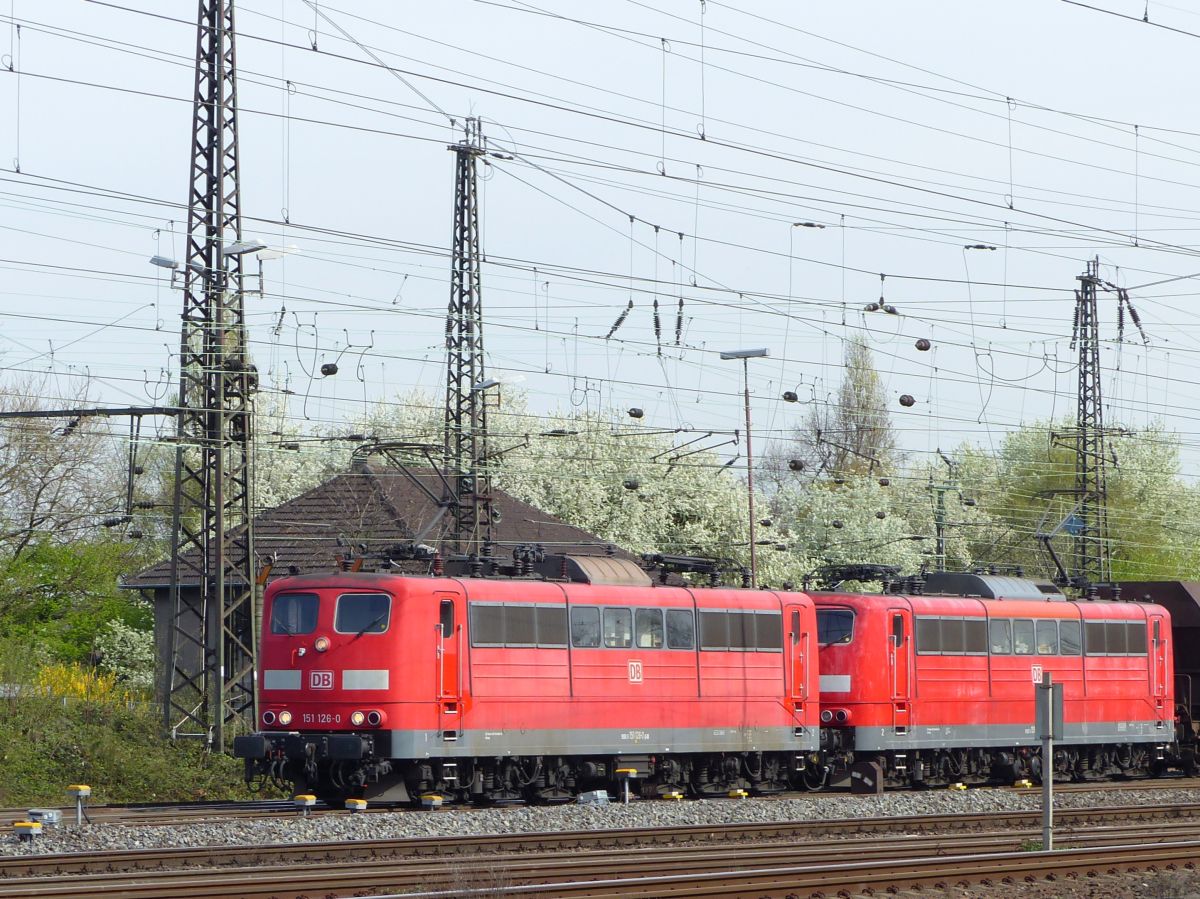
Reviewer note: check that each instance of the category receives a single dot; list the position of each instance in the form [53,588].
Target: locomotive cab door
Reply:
[797,643]
[1158,664]
[899,653]
[448,653]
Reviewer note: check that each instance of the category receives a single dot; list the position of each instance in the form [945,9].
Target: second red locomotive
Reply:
[940,688]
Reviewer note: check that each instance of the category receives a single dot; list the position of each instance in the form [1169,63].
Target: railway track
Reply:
[157,814]
[727,858]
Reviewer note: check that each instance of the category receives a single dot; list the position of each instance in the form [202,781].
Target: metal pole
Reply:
[940,524]
[1046,697]
[750,477]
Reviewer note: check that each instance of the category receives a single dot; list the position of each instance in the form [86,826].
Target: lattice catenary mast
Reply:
[465,435]
[1087,522]
[1090,534]
[210,681]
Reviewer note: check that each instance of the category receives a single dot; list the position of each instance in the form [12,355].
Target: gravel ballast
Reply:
[520,819]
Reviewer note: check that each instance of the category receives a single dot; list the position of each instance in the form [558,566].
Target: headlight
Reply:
[268,718]
[321,644]
[826,716]
[285,717]
[374,718]
[357,718]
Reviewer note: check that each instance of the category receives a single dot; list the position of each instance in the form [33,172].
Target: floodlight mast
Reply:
[746,356]
[209,681]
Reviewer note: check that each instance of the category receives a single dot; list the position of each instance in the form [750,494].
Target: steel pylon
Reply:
[465,433]
[1090,534]
[209,684]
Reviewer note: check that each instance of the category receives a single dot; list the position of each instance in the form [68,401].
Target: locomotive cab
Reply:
[347,661]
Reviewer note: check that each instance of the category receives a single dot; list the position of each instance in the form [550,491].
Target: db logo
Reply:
[635,672]
[320,680]
[1036,673]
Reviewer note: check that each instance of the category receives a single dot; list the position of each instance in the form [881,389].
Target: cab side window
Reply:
[362,613]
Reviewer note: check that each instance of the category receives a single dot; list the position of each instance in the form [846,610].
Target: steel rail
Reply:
[416,847]
[578,872]
[532,868]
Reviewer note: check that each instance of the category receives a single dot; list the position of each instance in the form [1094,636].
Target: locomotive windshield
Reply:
[834,626]
[362,613]
[294,613]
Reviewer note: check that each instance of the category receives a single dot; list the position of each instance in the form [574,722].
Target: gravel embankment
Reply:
[452,822]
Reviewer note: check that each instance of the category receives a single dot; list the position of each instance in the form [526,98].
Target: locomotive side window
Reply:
[714,629]
[1135,637]
[618,628]
[1023,637]
[585,626]
[681,629]
[1000,637]
[362,613]
[953,642]
[1047,637]
[1114,638]
[294,613]
[768,631]
[741,630]
[929,634]
[552,626]
[521,624]
[951,636]
[446,617]
[1069,641]
[487,624]
[648,628]
[975,636]
[520,628]
[834,626]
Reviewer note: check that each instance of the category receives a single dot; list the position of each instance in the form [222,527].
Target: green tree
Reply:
[1024,485]
[840,438]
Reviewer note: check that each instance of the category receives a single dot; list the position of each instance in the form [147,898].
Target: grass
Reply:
[72,726]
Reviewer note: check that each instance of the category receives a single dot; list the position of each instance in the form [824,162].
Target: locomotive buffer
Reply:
[1049,701]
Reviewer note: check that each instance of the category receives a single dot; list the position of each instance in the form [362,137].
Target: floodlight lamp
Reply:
[486,385]
[244,246]
[276,252]
[164,262]
[745,354]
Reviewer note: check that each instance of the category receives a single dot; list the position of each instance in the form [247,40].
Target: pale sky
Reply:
[909,131]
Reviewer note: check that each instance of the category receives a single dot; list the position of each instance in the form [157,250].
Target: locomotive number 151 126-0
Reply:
[320,718]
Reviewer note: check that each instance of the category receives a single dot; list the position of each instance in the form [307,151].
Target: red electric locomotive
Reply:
[939,688]
[391,687]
